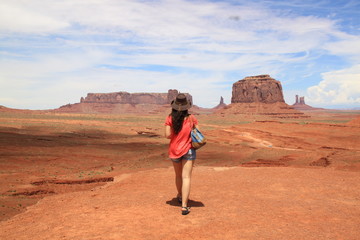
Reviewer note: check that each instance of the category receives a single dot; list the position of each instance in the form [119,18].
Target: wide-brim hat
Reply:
[181,103]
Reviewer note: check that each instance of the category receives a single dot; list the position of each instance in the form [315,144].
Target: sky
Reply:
[53,52]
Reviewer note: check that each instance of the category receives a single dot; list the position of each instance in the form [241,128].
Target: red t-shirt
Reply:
[180,143]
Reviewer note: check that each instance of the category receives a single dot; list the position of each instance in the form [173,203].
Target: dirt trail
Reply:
[260,142]
[228,203]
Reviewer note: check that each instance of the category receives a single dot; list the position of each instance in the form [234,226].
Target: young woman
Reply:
[177,128]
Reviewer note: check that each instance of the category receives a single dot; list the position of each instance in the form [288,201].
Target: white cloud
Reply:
[303,25]
[19,18]
[178,23]
[109,45]
[52,82]
[347,46]
[337,88]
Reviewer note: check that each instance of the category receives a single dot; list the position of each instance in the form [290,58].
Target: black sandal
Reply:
[179,199]
[186,211]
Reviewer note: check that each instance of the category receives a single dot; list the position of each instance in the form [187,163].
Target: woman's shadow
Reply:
[191,203]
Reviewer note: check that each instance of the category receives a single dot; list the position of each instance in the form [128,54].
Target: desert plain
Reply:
[107,176]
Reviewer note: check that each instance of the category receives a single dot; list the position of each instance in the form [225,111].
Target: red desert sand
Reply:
[83,176]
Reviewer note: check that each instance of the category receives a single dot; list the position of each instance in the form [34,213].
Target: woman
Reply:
[178,126]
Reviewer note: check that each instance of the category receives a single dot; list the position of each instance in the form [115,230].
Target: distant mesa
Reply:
[260,95]
[133,98]
[123,102]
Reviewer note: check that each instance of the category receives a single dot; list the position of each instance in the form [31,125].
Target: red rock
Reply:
[261,88]
[123,102]
[260,95]
[132,98]
[300,104]
[221,105]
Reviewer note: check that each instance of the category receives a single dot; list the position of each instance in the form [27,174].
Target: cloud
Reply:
[340,87]
[52,81]
[202,46]
[19,18]
[175,23]
[348,45]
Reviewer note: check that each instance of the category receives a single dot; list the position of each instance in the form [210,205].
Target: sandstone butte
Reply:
[254,89]
[259,95]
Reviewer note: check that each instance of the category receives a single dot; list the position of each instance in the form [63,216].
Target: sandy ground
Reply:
[69,176]
[227,203]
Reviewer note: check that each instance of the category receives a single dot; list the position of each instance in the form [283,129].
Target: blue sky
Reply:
[55,52]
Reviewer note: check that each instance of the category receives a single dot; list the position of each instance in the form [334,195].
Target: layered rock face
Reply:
[133,98]
[123,102]
[262,96]
[257,89]
[126,98]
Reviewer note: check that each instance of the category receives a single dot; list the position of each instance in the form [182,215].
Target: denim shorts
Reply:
[190,155]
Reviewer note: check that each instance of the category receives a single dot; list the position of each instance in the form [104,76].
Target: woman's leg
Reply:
[178,176]
[186,180]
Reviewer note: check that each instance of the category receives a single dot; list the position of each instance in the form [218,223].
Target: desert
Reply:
[99,101]
[107,176]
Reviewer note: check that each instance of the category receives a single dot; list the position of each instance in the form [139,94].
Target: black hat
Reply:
[181,103]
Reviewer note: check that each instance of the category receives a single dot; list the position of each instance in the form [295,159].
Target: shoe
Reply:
[179,199]
[186,211]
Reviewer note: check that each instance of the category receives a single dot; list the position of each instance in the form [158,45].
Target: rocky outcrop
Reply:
[299,102]
[221,101]
[132,98]
[221,105]
[123,102]
[301,105]
[126,98]
[254,89]
[259,96]
[172,93]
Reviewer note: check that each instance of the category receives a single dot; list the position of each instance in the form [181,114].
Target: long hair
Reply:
[178,119]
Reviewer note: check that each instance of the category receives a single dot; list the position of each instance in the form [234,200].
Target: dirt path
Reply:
[260,142]
[228,203]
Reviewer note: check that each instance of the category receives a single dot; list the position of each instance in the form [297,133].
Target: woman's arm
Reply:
[195,125]
[167,131]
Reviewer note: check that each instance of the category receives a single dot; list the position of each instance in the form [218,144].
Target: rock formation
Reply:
[300,104]
[126,98]
[122,102]
[172,93]
[132,98]
[260,95]
[221,104]
[221,100]
[261,88]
